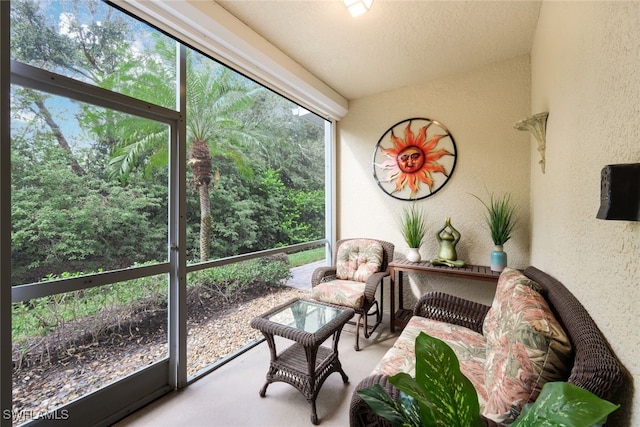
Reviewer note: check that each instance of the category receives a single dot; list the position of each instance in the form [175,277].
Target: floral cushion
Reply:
[526,347]
[341,292]
[358,259]
[469,347]
[508,279]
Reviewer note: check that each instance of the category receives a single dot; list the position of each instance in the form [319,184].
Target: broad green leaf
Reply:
[408,386]
[443,395]
[378,399]
[449,394]
[565,404]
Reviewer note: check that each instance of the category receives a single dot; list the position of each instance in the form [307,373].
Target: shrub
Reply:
[233,281]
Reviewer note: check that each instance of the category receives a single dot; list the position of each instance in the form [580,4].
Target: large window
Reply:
[70,212]
[130,202]
[90,42]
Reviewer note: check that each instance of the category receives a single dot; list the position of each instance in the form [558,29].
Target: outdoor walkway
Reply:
[301,278]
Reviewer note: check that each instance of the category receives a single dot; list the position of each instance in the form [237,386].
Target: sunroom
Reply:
[575,61]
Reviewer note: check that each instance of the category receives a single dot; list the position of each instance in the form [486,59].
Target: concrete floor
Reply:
[228,396]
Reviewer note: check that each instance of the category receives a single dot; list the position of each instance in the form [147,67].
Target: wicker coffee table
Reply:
[306,364]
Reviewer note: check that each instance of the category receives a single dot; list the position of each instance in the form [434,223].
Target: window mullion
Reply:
[177,232]
[5,219]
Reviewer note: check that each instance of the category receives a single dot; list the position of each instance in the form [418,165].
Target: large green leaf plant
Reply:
[440,395]
[565,404]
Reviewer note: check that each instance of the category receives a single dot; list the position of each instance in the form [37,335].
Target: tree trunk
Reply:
[62,141]
[205,221]
[200,162]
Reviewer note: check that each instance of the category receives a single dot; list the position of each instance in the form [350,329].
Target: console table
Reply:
[399,267]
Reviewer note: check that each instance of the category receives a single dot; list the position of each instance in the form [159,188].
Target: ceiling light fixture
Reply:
[358,7]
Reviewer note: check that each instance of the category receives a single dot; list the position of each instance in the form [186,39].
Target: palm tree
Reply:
[215,95]
[212,100]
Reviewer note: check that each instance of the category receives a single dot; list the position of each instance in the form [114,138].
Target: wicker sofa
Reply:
[591,364]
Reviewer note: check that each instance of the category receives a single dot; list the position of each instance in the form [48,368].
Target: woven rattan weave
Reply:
[306,364]
[370,305]
[595,366]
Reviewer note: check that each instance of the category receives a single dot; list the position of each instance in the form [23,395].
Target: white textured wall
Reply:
[479,109]
[586,73]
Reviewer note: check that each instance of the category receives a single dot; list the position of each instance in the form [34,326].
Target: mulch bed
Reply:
[72,362]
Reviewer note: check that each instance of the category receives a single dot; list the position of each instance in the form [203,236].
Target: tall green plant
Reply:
[413,226]
[500,217]
[439,395]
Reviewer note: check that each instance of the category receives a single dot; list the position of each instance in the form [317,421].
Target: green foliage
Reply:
[110,305]
[104,305]
[440,395]
[65,222]
[230,281]
[567,405]
[267,188]
[261,213]
[500,217]
[303,216]
[413,225]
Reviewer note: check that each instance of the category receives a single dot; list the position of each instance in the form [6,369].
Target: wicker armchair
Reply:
[355,253]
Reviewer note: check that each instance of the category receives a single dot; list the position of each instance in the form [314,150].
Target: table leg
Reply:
[311,353]
[381,308]
[336,340]
[392,301]
[400,290]
[314,415]
[263,390]
[272,371]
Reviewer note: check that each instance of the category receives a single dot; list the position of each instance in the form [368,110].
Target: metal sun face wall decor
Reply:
[414,159]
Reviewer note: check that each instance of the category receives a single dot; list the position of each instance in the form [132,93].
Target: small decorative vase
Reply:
[498,259]
[413,255]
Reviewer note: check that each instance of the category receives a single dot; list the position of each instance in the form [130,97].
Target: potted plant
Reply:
[440,395]
[413,226]
[500,218]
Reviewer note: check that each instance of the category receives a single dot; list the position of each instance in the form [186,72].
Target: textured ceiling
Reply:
[397,43]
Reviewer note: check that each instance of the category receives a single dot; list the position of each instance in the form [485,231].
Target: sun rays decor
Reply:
[414,159]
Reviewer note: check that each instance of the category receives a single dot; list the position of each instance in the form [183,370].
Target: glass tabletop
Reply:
[305,315]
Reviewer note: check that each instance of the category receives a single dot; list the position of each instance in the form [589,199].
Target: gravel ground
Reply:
[220,337]
[45,386]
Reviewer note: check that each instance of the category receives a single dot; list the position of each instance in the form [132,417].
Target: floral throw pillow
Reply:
[526,347]
[358,259]
[507,281]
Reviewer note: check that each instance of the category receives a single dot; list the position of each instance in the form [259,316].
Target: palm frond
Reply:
[125,156]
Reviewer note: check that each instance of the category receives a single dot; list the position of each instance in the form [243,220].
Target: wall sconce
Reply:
[537,125]
[358,7]
[620,192]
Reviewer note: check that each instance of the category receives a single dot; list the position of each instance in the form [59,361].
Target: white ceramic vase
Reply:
[413,255]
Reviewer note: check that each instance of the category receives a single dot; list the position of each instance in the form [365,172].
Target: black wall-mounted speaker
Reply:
[620,192]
